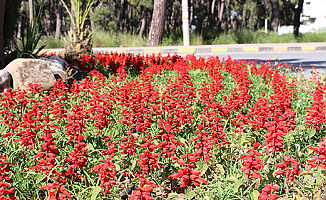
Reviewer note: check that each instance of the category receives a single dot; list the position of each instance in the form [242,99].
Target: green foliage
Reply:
[247,36]
[27,45]
[51,42]
[319,36]
[30,42]
[102,38]
[225,178]
[225,38]
[78,32]
[10,21]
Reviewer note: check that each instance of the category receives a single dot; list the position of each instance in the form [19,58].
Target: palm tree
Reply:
[78,40]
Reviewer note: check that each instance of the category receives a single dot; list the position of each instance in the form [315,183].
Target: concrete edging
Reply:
[208,49]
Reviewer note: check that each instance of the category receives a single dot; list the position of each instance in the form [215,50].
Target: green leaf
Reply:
[134,163]
[183,140]
[299,192]
[254,195]
[190,194]
[297,197]
[174,196]
[220,168]
[40,178]
[232,179]
[236,186]
[311,132]
[117,167]
[90,147]
[95,192]
[310,189]
[202,167]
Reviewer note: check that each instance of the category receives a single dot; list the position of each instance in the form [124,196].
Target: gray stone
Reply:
[57,65]
[63,63]
[36,71]
[5,80]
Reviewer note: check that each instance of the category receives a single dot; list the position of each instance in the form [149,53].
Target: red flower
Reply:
[252,162]
[290,168]
[268,192]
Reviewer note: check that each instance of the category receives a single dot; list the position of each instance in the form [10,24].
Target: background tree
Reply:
[2,16]
[157,25]
[275,15]
[296,19]
[31,11]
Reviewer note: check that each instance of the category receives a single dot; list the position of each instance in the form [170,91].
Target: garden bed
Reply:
[165,127]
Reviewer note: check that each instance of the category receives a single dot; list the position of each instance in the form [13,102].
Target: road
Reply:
[307,59]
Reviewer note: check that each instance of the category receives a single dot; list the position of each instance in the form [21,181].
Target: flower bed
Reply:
[165,127]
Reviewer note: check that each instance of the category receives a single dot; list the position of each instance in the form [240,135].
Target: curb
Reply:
[204,49]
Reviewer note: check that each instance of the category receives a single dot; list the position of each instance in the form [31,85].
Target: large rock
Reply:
[57,65]
[36,71]
[5,80]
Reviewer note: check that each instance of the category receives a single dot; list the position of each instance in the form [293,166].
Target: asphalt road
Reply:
[307,59]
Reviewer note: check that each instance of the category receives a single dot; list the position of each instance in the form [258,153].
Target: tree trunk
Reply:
[200,15]
[2,16]
[220,14]
[168,21]
[275,15]
[52,17]
[297,13]
[173,20]
[143,23]
[157,25]
[31,12]
[122,14]
[191,13]
[38,15]
[240,15]
[64,26]
[228,23]
[296,19]
[127,21]
[59,19]
[21,22]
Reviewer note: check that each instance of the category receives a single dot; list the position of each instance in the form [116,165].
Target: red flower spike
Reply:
[268,192]
[252,163]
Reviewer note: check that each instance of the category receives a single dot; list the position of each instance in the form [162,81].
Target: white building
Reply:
[313,18]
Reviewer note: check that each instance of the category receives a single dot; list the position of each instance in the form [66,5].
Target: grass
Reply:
[103,38]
